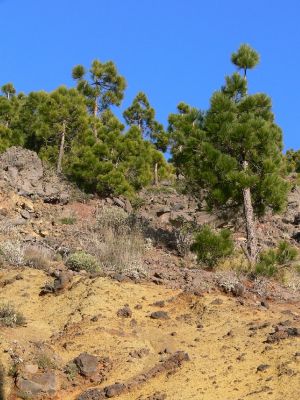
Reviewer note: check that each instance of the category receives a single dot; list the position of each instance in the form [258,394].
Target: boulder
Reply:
[34,384]
[87,364]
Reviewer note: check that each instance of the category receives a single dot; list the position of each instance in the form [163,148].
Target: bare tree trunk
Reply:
[95,115]
[156,174]
[250,222]
[61,148]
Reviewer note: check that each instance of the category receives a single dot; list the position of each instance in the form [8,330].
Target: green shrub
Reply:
[270,260]
[71,370]
[286,253]
[267,264]
[45,362]
[68,220]
[10,317]
[212,246]
[82,261]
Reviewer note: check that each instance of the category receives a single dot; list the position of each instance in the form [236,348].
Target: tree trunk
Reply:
[95,115]
[61,148]
[156,174]
[250,222]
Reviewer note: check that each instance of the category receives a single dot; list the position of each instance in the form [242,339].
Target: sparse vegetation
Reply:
[113,218]
[81,260]
[71,371]
[37,257]
[45,362]
[71,220]
[211,246]
[12,252]
[10,317]
[271,260]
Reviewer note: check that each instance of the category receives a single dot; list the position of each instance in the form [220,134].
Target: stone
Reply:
[87,364]
[162,211]
[115,390]
[159,303]
[46,382]
[118,202]
[262,367]
[31,368]
[159,315]
[124,312]
[25,214]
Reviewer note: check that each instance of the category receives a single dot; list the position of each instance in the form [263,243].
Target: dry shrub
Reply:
[10,317]
[116,241]
[291,279]
[12,252]
[236,262]
[38,257]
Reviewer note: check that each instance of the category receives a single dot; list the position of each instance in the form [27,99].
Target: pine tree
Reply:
[104,86]
[142,115]
[236,154]
[8,90]
[52,121]
[10,104]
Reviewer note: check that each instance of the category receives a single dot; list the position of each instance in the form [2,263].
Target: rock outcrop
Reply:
[22,171]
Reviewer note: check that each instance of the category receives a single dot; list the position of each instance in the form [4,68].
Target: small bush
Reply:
[10,317]
[286,253]
[82,261]
[45,362]
[68,220]
[113,218]
[270,260]
[211,246]
[71,370]
[12,252]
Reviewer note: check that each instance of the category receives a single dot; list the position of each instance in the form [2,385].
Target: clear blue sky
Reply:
[174,50]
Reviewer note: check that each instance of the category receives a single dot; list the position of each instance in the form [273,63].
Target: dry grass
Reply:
[116,240]
[38,257]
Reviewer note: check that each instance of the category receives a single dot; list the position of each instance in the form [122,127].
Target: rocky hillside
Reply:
[100,298]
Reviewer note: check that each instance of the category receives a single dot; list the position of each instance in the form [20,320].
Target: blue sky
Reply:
[174,50]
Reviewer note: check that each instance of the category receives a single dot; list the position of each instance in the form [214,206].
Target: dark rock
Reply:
[296,236]
[297,219]
[46,382]
[281,331]
[159,303]
[124,312]
[159,315]
[22,171]
[139,353]
[115,390]
[87,364]
[238,290]
[162,211]
[262,367]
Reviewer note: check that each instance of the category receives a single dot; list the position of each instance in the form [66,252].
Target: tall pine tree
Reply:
[142,115]
[236,153]
[102,88]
